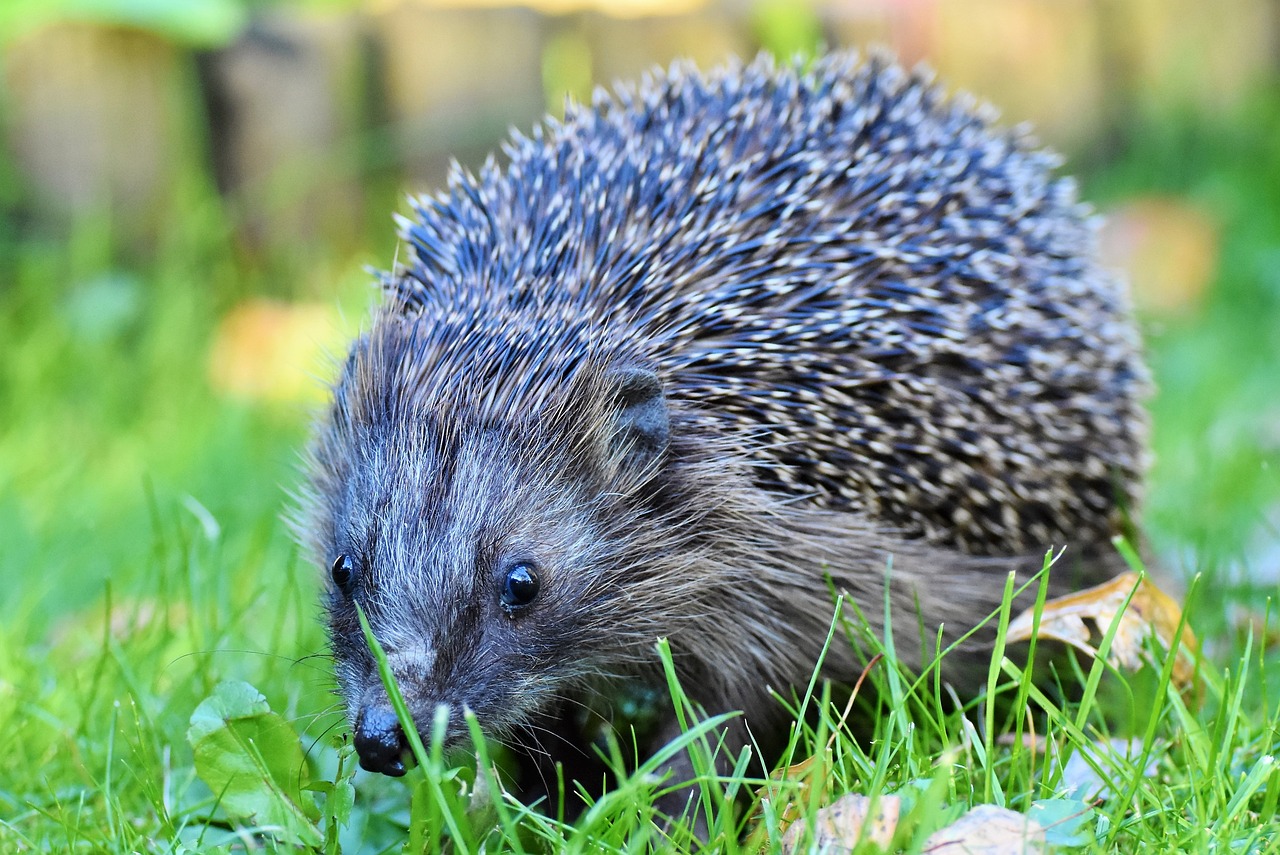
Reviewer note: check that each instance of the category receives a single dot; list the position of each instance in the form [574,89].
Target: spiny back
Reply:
[894,308]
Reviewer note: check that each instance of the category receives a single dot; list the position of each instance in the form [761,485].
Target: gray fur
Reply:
[878,332]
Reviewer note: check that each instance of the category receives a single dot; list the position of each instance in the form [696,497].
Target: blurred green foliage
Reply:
[787,29]
[1215,487]
[198,22]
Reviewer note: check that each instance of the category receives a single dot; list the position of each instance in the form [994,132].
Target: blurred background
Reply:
[191,194]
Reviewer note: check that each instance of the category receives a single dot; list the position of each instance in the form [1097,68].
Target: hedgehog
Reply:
[691,361]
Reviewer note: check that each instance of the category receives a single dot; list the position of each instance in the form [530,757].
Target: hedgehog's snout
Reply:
[380,740]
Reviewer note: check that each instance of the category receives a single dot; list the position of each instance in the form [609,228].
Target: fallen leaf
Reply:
[990,830]
[1031,742]
[1168,248]
[801,776]
[1151,612]
[1067,823]
[273,351]
[1250,622]
[128,618]
[846,822]
[1080,778]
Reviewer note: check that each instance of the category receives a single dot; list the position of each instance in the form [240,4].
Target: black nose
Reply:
[380,742]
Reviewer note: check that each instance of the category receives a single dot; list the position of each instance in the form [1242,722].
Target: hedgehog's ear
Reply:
[642,428]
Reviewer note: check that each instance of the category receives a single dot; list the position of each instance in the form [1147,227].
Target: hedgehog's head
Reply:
[484,545]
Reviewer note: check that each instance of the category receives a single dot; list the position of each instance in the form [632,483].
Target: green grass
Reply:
[144,563]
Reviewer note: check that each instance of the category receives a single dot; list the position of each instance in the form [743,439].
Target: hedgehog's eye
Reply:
[520,586]
[343,572]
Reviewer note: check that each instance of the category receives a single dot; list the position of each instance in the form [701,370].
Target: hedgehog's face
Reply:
[474,551]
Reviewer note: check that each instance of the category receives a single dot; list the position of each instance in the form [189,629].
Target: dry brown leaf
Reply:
[844,823]
[267,350]
[1169,249]
[1031,742]
[802,776]
[990,830]
[1150,612]
[128,618]
[1249,622]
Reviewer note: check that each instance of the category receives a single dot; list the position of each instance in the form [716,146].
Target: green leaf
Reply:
[344,800]
[253,761]
[1066,822]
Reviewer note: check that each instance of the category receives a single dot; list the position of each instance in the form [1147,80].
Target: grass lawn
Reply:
[145,563]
